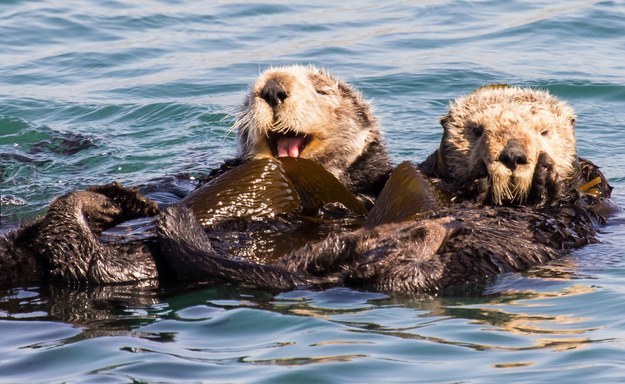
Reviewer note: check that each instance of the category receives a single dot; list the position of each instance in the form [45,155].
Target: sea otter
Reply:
[509,148]
[292,111]
[441,250]
[436,249]
[303,111]
[447,250]
[298,112]
[493,140]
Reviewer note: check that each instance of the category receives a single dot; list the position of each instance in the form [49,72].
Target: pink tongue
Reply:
[290,146]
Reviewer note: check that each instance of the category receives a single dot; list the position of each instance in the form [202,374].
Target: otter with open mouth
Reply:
[292,111]
[402,248]
[303,111]
[510,150]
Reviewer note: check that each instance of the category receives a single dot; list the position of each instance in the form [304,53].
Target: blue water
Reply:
[96,91]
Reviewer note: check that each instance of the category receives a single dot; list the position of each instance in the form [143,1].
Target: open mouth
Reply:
[287,144]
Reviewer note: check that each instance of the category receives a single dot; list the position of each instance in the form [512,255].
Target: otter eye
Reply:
[545,132]
[324,90]
[477,129]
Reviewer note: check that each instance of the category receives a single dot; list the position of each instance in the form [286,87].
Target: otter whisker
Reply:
[230,130]
[521,190]
[235,118]
[242,121]
[501,187]
[285,101]
[282,127]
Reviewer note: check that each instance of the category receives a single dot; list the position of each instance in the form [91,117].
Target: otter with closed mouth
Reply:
[495,140]
[443,248]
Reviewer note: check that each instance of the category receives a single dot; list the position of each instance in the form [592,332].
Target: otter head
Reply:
[497,133]
[299,111]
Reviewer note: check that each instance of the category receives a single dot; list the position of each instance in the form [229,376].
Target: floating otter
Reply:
[306,113]
[493,140]
[501,146]
[265,196]
[291,111]
[431,249]
[428,249]
[302,111]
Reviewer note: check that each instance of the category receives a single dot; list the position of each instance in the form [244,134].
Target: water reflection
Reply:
[221,324]
[117,309]
[519,320]
[98,311]
[305,360]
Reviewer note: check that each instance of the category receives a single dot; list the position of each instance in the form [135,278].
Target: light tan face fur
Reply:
[484,125]
[329,121]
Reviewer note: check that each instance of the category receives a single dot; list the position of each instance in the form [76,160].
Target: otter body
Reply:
[447,246]
[64,245]
[450,250]
[511,148]
[292,111]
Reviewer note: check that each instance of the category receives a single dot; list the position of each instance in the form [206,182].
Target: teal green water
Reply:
[96,91]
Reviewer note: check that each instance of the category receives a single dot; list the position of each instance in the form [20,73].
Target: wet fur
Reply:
[344,134]
[477,131]
[64,246]
[464,244]
[454,248]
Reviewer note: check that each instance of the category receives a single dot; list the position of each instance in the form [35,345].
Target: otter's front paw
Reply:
[546,185]
[131,203]
[482,190]
[68,211]
[477,191]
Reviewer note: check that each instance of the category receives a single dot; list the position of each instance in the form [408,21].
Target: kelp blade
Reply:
[257,189]
[317,187]
[406,195]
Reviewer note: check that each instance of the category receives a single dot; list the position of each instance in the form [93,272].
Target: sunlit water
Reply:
[96,91]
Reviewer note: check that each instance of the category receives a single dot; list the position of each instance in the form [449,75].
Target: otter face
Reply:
[499,133]
[299,111]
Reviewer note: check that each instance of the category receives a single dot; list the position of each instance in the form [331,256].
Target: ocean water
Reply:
[97,91]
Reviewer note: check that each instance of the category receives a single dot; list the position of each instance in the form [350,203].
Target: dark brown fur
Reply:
[64,244]
[454,249]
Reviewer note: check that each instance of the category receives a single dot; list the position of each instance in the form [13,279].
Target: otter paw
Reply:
[477,191]
[98,211]
[482,190]
[132,204]
[546,184]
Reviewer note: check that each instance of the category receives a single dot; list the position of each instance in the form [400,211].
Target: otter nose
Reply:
[513,154]
[273,93]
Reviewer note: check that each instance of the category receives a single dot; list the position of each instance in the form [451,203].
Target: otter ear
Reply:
[572,122]
[445,120]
